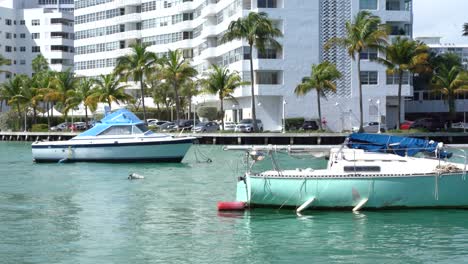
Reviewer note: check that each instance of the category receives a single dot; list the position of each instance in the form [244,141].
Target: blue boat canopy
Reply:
[401,146]
[121,117]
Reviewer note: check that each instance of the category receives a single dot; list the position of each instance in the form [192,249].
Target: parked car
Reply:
[460,125]
[406,125]
[206,127]
[80,125]
[372,127]
[246,125]
[430,124]
[156,123]
[168,127]
[61,126]
[229,126]
[309,125]
[185,124]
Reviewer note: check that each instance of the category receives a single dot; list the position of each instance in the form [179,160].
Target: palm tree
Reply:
[80,95]
[366,32]
[176,71]
[259,31]
[108,89]
[10,91]
[61,87]
[137,65]
[43,83]
[222,82]
[465,29]
[321,80]
[449,82]
[4,61]
[405,56]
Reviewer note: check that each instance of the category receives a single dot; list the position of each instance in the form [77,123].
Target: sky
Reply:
[442,18]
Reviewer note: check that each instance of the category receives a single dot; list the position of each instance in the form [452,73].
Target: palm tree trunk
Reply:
[221,107]
[34,115]
[48,115]
[143,98]
[19,115]
[86,116]
[1,105]
[400,82]
[319,110]
[452,110]
[361,114]
[252,91]
[177,103]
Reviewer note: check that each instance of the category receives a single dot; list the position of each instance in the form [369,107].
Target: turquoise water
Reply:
[91,213]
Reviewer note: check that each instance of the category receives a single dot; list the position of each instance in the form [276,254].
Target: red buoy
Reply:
[231,206]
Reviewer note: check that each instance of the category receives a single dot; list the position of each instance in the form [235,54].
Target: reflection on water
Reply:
[91,213]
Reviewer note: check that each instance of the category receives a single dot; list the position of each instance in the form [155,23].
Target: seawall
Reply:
[247,138]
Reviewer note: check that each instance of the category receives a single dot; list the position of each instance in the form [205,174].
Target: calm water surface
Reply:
[91,213]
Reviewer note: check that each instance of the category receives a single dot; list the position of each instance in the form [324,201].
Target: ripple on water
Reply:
[91,213]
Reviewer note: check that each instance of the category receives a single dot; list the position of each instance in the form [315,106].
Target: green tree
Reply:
[365,32]
[11,91]
[61,88]
[136,66]
[222,82]
[465,29]
[42,81]
[176,71]
[3,62]
[321,79]
[449,82]
[109,89]
[40,64]
[405,56]
[259,32]
[82,92]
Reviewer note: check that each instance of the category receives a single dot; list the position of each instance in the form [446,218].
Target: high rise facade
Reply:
[425,102]
[105,29]
[29,28]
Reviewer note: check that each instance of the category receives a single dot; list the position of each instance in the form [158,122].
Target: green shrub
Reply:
[294,123]
[40,128]
[208,112]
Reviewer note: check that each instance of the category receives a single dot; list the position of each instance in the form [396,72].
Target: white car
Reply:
[229,126]
[372,127]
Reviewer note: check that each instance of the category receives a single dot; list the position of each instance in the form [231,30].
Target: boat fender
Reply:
[231,206]
[134,176]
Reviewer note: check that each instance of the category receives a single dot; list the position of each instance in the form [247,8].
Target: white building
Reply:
[32,27]
[105,29]
[424,102]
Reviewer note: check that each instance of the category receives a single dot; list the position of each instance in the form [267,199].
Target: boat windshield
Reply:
[140,129]
[125,130]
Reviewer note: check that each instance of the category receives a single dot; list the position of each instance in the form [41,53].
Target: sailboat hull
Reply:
[415,191]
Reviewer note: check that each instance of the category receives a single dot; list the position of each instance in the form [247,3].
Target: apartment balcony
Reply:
[121,3]
[135,17]
[209,10]
[208,31]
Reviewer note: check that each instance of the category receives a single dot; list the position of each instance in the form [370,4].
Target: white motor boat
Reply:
[118,137]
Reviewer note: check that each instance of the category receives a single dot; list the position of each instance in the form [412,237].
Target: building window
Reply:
[266,4]
[22,62]
[394,78]
[8,35]
[368,4]
[22,22]
[369,77]
[8,22]
[23,49]
[268,77]
[8,49]
[36,35]
[267,54]
[369,54]
[35,22]
[22,35]
[36,49]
